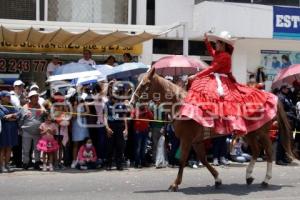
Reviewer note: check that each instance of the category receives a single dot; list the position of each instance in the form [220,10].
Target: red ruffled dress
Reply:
[217,101]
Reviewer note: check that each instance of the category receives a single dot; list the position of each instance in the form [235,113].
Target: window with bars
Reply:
[265,2]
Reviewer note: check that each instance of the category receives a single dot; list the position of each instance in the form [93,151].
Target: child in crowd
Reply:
[47,144]
[87,156]
[160,160]
[236,151]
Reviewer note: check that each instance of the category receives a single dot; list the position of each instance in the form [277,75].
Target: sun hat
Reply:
[223,36]
[32,93]
[34,86]
[4,93]
[18,83]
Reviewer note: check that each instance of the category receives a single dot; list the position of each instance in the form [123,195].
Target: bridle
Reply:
[135,93]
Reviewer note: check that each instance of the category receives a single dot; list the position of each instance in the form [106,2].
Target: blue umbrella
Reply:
[127,70]
[73,68]
[73,71]
[105,69]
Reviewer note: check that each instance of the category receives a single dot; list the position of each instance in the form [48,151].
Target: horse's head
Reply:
[146,88]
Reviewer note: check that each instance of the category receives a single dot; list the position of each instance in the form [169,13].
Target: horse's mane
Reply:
[166,85]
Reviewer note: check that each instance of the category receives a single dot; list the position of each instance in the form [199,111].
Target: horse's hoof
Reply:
[218,184]
[173,188]
[249,180]
[264,185]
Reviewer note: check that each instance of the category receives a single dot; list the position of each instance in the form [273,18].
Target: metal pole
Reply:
[185,38]
[37,10]
[46,10]
[129,11]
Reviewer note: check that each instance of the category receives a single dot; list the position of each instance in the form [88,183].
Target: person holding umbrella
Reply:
[290,110]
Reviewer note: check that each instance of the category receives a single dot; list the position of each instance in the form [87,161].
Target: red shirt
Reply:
[140,125]
[221,62]
[85,154]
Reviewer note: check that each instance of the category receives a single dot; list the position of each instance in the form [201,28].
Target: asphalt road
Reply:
[150,183]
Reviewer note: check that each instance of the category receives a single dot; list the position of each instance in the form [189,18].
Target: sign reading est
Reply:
[286,22]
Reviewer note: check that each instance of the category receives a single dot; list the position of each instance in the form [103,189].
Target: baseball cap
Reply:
[32,93]
[18,83]
[5,93]
[34,86]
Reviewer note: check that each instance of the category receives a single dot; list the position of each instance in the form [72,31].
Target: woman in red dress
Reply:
[217,101]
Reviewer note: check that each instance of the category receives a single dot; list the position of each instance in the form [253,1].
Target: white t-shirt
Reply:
[88,62]
[15,100]
[41,101]
[51,67]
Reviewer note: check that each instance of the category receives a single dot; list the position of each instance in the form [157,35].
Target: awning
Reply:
[17,32]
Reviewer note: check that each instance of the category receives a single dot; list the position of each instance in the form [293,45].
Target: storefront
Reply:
[26,47]
[30,61]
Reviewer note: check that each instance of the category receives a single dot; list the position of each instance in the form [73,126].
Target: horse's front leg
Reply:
[201,152]
[185,147]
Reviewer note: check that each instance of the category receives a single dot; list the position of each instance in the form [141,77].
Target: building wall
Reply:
[241,20]
[168,12]
[247,55]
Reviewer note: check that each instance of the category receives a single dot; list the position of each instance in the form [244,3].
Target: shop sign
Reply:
[286,22]
[11,65]
[72,48]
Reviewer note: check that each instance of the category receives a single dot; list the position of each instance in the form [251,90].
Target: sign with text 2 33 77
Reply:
[286,22]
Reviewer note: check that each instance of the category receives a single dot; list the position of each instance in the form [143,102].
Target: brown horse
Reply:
[191,134]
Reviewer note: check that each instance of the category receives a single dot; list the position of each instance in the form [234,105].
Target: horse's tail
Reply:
[285,130]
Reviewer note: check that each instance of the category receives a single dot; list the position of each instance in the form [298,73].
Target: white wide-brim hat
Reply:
[33,93]
[18,83]
[34,86]
[224,36]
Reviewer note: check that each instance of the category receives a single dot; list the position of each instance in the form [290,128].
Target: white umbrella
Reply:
[105,69]
[89,79]
[75,75]
[127,70]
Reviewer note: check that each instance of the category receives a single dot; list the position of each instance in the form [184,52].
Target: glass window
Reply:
[239,1]
[150,12]
[161,46]
[17,9]
[278,2]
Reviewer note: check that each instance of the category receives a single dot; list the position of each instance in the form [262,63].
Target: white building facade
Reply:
[251,23]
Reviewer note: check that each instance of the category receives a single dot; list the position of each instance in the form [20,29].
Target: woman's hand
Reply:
[205,35]
[125,133]
[109,132]
[10,117]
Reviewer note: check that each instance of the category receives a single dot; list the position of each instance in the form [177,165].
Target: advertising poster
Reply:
[275,60]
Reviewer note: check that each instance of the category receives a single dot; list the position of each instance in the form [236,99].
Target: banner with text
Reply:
[286,22]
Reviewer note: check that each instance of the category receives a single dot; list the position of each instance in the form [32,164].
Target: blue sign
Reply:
[286,22]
